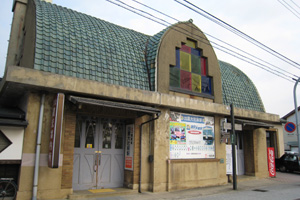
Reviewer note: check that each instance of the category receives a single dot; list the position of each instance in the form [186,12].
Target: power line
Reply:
[239,33]
[290,8]
[219,47]
[295,4]
[214,38]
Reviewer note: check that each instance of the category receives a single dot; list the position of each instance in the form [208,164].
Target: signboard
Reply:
[191,136]
[228,159]
[56,130]
[290,127]
[129,147]
[271,162]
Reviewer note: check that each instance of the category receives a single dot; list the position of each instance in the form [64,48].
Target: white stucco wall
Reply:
[16,136]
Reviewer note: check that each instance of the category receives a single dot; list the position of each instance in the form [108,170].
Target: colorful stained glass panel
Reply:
[190,43]
[203,66]
[196,83]
[206,85]
[178,58]
[185,61]
[174,77]
[185,80]
[185,48]
[196,64]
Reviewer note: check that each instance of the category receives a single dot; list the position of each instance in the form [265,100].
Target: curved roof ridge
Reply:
[153,48]
[238,88]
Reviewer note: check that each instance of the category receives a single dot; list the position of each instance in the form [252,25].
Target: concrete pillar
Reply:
[161,151]
[260,153]
[16,33]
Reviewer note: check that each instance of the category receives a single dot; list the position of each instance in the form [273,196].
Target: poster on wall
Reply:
[129,146]
[191,136]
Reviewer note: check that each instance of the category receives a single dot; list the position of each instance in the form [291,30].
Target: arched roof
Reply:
[78,45]
[238,89]
[75,44]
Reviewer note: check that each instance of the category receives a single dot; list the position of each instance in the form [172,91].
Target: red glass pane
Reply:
[203,66]
[185,80]
[185,48]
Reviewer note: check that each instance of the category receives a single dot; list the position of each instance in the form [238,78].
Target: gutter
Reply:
[38,150]
[141,134]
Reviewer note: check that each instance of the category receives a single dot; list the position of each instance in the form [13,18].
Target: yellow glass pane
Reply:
[185,61]
[196,83]
[191,43]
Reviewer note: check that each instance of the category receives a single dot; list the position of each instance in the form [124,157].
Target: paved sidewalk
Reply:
[245,184]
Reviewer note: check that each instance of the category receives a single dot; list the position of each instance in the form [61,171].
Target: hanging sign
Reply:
[56,130]
[129,147]
[271,162]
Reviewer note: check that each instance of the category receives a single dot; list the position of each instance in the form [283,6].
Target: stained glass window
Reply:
[190,71]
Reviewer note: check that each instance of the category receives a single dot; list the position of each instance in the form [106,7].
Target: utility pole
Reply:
[233,140]
[296,114]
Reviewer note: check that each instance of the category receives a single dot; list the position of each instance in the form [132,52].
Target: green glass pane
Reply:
[185,61]
[196,83]
[196,64]
[174,77]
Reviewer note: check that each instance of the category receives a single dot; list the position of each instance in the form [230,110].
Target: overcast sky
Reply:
[268,21]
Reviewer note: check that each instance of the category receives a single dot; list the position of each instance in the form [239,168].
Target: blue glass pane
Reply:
[195,52]
[206,85]
[177,58]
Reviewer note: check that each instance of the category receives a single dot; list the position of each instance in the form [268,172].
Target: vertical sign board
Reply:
[129,145]
[271,162]
[56,130]
[228,159]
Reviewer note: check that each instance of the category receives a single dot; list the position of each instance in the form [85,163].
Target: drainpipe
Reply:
[38,149]
[141,133]
[296,114]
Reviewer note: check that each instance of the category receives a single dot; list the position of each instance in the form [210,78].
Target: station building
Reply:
[106,106]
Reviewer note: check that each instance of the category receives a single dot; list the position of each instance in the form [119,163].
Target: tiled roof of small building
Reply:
[238,89]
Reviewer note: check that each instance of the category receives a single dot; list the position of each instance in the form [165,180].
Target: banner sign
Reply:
[228,159]
[56,130]
[271,162]
[191,136]
[129,147]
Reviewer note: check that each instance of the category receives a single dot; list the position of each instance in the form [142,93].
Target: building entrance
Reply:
[98,153]
[240,154]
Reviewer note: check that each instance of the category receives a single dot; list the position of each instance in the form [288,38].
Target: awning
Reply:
[113,104]
[253,123]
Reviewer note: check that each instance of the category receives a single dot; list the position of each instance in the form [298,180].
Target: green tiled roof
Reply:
[75,44]
[238,89]
[78,45]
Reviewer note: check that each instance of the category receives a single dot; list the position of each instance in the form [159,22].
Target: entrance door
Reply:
[240,154]
[98,153]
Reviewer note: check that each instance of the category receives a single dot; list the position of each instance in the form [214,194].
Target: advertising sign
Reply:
[191,136]
[271,162]
[228,159]
[56,130]
[129,147]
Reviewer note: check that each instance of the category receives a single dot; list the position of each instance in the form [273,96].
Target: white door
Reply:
[240,154]
[98,153]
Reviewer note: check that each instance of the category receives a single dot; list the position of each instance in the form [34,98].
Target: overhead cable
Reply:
[217,46]
[238,32]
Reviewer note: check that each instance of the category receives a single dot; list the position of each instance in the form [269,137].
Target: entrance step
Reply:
[86,194]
